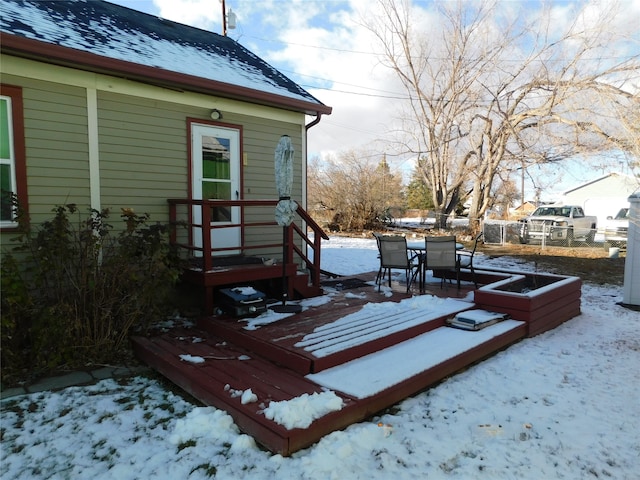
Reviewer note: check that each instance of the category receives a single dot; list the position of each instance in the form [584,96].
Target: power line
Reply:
[374,54]
[392,97]
[392,94]
[330,49]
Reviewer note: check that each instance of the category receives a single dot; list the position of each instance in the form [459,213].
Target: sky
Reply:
[317,43]
[563,404]
[322,45]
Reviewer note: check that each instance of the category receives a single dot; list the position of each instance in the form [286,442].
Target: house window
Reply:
[12,159]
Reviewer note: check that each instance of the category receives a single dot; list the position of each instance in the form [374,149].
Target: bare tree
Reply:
[629,115]
[493,89]
[355,189]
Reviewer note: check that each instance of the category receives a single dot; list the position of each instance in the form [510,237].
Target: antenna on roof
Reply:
[228,19]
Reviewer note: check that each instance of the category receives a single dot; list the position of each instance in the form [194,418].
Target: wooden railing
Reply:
[196,237]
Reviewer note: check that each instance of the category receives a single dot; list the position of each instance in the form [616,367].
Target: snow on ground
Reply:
[563,404]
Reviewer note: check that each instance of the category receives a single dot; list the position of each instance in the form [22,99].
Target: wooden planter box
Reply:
[543,301]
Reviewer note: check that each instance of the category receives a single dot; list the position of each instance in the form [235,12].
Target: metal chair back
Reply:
[393,253]
[440,252]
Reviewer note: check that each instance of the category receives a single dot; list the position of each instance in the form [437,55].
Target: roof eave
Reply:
[69,57]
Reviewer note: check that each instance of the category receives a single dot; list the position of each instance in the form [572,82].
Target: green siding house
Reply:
[108,107]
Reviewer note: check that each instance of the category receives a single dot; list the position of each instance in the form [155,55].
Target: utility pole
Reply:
[224,18]
[228,19]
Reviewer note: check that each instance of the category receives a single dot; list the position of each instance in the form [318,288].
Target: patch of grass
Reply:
[100,443]
[209,470]
[163,422]
[17,449]
[167,406]
[142,398]
[106,416]
[590,264]
[393,410]
[187,444]
[123,381]
[65,411]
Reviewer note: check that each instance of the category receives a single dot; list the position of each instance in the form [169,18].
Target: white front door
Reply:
[215,173]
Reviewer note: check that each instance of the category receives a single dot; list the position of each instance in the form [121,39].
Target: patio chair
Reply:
[440,254]
[395,255]
[465,258]
[377,237]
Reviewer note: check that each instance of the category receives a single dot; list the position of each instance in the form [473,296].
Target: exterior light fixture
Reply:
[216,114]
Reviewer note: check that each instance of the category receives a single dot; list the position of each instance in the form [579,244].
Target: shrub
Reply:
[73,291]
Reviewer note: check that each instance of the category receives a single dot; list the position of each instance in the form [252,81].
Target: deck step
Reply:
[303,288]
[320,341]
[217,372]
[369,375]
[370,330]
[221,378]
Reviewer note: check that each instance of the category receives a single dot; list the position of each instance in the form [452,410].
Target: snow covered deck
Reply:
[288,381]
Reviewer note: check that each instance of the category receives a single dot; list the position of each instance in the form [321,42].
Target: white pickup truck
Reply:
[616,228]
[562,223]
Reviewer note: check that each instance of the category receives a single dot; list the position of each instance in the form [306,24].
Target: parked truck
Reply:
[616,229]
[558,223]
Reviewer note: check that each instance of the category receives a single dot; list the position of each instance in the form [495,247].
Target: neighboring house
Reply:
[108,107]
[604,196]
[523,209]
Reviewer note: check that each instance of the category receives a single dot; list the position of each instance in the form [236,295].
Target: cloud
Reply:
[324,46]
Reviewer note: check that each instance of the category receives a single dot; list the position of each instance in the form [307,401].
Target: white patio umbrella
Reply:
[285,211]
[286,208]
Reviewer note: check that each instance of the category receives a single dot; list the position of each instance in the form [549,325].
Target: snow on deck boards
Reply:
[369,375]
[375,321]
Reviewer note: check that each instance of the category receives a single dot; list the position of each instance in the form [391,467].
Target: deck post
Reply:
[206,236]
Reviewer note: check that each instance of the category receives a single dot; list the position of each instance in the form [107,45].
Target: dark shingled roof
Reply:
[188,56]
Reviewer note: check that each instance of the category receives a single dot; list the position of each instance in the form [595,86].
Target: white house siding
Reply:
[603,197]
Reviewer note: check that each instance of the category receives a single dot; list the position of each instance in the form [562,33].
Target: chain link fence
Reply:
[502,232]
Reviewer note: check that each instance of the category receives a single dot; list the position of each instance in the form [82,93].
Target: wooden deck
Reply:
[324,347]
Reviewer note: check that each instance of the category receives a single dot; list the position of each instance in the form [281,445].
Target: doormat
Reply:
[345,284]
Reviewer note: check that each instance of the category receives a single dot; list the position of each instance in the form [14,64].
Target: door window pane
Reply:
[218,191]
[216,174]
[216,158]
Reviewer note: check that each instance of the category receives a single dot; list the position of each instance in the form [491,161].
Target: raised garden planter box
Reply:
[543,301]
